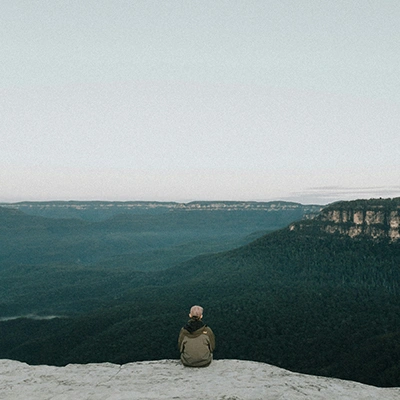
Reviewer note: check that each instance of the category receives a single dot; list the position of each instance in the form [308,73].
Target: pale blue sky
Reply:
[199,100]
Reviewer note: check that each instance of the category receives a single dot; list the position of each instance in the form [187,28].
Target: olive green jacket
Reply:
[197,347]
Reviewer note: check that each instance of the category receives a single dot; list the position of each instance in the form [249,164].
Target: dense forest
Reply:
[308,301]
[48,259]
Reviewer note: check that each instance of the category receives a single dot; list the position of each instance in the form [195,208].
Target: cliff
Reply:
[375,218]
[76,208]
[168,379]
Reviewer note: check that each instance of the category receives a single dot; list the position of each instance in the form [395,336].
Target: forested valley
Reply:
[309,301]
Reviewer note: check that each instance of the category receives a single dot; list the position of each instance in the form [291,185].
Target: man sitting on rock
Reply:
[196,340]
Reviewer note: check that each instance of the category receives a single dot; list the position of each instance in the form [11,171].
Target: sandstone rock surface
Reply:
[168,379]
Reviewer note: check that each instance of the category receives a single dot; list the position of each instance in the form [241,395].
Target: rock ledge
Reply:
[168,379]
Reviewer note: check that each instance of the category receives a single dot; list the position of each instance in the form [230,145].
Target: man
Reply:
[196,340]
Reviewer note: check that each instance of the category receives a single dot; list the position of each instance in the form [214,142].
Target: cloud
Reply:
[329,194]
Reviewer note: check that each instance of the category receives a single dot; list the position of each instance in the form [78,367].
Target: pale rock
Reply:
[358,217]
[394,220]
[168,379]
[374,217]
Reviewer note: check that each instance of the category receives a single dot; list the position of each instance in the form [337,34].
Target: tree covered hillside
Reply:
[51,264]
[133,236]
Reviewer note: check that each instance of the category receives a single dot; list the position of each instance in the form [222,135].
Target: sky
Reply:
[183,100]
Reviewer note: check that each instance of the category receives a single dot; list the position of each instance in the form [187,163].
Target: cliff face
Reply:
[376,218]
[45,208]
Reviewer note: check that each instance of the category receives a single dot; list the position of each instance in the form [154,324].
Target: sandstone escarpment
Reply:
[375,218]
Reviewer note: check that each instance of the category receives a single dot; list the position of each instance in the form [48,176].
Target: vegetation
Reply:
[48,264]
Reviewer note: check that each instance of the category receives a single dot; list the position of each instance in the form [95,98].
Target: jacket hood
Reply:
[193,325]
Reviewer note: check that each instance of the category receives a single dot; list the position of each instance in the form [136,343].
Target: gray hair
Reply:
[196,311]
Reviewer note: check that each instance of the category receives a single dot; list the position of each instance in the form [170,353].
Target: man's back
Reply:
[196,343]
